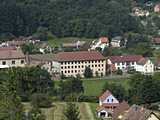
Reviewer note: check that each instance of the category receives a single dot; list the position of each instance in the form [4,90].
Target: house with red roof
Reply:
[130,62]
[74,63]
[124,62]
[107,103]
[101,43]
[11,58]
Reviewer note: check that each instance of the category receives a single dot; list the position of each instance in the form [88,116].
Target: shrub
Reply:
[88,72]
[41,100]
[119,72]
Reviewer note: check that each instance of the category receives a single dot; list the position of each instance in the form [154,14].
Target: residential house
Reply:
[73,63]
[107,104]
[124,63]
[12,58]
[157,8]
[145,66]
[101,43]
[116,41]
[46,61]
[139,113]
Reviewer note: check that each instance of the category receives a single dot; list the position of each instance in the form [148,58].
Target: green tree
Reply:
[88,72]
[35,114]
[10,103]
[72,112]
[117,90]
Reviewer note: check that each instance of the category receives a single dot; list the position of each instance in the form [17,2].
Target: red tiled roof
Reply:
[142,61]
[105,95]
[7,48]
[79,56]
[11,54]
[104,40]
[127,58]
[110,104]
[119,110]
[138,113]
[100,108]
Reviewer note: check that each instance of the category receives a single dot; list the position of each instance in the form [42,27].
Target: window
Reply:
[92,65]
[68,67]
[13,62]
[75,71]
[99,65]
[62,67]
[95,65]
[107,100]
[4,63]
[75,66]
[22,61]
[82,66]
[112,100]
[68,71]
[72,71]
[79,66]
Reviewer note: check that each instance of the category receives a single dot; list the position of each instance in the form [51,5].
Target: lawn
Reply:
[94,87]
[55,42]
[56,113]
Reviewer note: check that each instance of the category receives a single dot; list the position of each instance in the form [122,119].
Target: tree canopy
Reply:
[80,18]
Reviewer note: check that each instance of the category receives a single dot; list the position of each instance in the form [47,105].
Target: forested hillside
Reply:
[79,18]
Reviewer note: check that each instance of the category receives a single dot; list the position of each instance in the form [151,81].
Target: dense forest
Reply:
[63,18]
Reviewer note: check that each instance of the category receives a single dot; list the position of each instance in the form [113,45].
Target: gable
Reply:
[110,99]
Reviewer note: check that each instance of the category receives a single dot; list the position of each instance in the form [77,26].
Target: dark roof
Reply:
[137,113]
[120,110]
[79,56]
[126,58]
[11,54]
[42,57]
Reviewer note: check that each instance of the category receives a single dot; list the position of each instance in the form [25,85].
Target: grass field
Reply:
[55,42]
[94,87]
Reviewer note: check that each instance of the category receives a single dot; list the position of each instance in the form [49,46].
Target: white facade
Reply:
[7,63]
[73,68]
[99,44]
[110,99]
[147,68]
[123,65]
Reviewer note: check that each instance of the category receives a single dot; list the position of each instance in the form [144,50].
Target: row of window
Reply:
[80,66]
[81,62]
[127,63]
[13,62]
[75,71]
